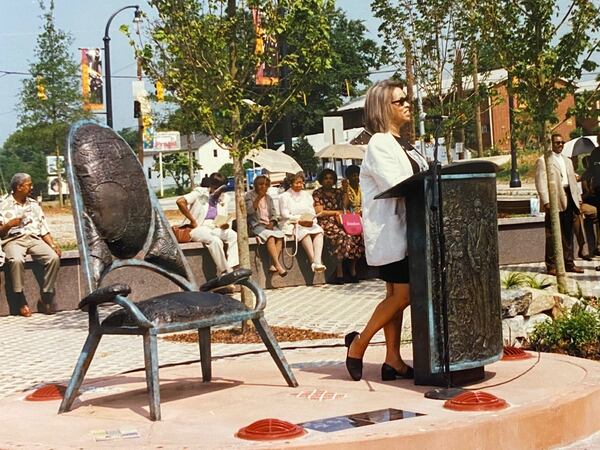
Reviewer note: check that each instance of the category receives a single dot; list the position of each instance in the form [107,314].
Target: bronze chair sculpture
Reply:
[119,223]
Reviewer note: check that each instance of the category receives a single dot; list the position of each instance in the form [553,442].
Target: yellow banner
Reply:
[91,78]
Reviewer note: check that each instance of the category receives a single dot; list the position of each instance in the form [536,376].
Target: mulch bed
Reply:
[235,336]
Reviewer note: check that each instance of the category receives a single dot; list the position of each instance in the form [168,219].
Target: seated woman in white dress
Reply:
[298,212]
[262,222]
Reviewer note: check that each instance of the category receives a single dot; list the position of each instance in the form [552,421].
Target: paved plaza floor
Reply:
[43,349]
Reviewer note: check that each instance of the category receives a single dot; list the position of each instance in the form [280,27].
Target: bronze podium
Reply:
[470,253]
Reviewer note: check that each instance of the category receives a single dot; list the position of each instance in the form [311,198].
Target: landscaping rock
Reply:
[513,329]
[532,321]
[563,304]
[541,301]
[515,301]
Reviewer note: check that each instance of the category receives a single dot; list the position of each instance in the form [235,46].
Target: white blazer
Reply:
[384,221]
[197,201]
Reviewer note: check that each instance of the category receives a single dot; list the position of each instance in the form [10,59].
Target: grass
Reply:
[518,279]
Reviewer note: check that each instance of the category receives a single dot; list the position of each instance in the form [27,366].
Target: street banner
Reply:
[267,72]
[91,78]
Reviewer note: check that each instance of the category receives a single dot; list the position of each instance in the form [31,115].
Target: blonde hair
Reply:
[378,105]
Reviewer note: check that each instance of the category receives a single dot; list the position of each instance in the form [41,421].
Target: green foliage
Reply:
[442,36]
[25,150]
[576,333]
[177,166]
[353,55]
[537,283]
[227,169]
[59,74]
[512,280]
[204,53]
[130,135]
[304,155]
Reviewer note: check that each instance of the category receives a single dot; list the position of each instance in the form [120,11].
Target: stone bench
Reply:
[70,285]
[520,240]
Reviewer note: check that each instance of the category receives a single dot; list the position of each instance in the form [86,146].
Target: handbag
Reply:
[352,224]
[182,233]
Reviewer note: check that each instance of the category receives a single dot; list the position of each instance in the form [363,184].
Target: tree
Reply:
[130,135]
[434,35]
[547,51]
[304,154]
[51,101]
[207,54]
[177,165]
[353,56]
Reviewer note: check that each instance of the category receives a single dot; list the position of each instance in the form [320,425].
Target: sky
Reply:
[85,20]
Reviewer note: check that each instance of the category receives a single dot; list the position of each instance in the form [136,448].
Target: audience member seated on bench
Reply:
[206,210]
[262,222]
[23,230]
[120,224]
[300,220]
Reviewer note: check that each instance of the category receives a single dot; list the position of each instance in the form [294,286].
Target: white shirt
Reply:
[197,201]
[384,221]
[560,162]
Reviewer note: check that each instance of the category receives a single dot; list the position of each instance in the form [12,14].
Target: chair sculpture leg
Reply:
[81,368]
[151,363]
[272,345]
[205,354]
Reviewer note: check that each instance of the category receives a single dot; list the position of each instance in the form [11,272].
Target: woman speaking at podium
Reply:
[389,159]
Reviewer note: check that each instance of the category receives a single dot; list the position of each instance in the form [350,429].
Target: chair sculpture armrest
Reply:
[235,277]
[116,294]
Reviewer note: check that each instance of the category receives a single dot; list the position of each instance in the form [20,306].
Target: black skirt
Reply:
[396,272]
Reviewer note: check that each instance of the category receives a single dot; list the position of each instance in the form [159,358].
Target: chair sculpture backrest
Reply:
[118,220]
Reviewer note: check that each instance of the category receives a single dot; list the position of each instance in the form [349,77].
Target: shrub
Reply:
[576,333]
[533,282]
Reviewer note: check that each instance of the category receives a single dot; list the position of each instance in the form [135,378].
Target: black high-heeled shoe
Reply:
[388,373]
[354,365]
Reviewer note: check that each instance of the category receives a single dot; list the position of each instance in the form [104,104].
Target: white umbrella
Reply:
[342,151]
[274,161]
[579,146]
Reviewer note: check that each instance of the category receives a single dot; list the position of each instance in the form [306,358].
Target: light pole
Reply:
[137,18]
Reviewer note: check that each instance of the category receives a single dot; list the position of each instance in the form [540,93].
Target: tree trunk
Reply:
[478,133]
[242,229]
[191,162]
[458,80]
[559,263]
[409,129]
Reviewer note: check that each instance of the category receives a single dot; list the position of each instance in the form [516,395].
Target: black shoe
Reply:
[388,373]
[583,256]
[337,280]
[354,365]
[354,279]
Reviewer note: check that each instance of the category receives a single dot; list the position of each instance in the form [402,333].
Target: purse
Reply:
[182,233]
[306,220]
[352,224]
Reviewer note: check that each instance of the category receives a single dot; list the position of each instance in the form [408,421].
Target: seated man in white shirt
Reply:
[206,210]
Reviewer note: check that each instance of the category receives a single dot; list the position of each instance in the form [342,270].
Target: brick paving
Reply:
[43,349]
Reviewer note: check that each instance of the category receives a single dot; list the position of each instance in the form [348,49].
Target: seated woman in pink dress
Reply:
[262,222]
[300,218]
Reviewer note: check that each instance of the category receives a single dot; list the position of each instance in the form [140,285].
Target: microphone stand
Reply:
[440,263]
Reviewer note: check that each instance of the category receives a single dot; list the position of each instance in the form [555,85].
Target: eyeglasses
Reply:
[558,143]
[400,101]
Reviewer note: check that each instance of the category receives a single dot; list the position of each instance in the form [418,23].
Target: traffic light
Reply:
[137,109]
[160,91]
[41,89]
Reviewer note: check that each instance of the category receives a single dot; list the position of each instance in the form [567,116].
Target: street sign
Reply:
[167,140]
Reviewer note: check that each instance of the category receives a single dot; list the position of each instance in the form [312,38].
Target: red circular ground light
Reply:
[47,392]
[475,401]
[511,353]
[270,429]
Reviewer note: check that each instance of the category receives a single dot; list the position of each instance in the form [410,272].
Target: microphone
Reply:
[438,117]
